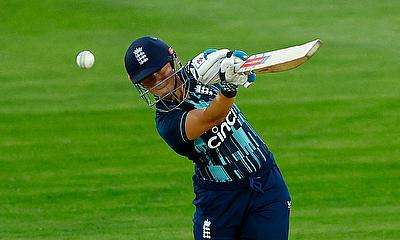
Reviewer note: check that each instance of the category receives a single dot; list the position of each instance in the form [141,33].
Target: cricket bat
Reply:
[280,60]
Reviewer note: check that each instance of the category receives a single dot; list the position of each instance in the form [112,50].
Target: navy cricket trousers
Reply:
[258,210]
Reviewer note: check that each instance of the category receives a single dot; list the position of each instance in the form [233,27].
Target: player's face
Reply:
[163,83]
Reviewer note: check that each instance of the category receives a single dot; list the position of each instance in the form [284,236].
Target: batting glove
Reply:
[205,66]
[229,84]
[230,64]
[239,57]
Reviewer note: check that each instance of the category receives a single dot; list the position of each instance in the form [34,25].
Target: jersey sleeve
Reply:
[171,127]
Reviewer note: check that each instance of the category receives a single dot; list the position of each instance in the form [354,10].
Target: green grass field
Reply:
[79,155]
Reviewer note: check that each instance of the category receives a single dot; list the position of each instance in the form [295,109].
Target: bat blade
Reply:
[280,60]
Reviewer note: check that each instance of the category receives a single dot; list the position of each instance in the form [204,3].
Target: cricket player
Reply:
[240,192]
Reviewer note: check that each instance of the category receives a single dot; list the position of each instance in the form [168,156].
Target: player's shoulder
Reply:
[164,119]
[160,115]
[171,127]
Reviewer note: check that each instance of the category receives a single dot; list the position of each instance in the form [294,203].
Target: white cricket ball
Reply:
[85,59]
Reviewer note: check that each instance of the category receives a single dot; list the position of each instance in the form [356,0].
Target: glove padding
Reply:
[228,68]
[206,65]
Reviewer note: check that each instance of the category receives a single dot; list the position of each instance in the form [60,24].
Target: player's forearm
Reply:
[198,121]
[222,103]
[219,108]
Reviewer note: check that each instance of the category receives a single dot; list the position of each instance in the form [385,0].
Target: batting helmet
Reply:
[146,56]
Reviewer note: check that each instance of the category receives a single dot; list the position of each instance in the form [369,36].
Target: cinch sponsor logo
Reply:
[222,130]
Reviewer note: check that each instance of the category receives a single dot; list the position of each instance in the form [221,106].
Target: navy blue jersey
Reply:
[229,151]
